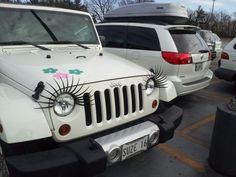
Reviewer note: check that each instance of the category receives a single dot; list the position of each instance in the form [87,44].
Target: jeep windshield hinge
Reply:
[38,90]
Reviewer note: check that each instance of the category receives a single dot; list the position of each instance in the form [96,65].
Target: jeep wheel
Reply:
[3,166]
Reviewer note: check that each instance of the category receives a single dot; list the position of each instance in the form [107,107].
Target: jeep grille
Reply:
[112,103]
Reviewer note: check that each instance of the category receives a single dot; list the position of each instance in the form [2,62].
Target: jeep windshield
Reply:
[45,27]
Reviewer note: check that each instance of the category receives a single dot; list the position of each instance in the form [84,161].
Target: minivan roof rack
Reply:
[149,12]
[150,20]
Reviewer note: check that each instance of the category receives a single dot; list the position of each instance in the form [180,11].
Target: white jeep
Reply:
[66,107]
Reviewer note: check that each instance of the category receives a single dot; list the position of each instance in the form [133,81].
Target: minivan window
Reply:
[142,38]
[188,41]
[235,46]
[115,36]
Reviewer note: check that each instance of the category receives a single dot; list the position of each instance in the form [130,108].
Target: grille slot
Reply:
[108,103]
[133,98]
[113,103]
[126,108]
[140,97]
[87,108]
[117,101]
[98,106]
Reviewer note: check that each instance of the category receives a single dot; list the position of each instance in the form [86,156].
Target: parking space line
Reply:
[194,140]
[182,157]
[197,124]
[184,132]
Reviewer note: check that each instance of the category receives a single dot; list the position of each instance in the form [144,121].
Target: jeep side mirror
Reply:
[102,39]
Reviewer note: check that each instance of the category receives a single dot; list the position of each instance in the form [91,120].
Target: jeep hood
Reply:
[28,68]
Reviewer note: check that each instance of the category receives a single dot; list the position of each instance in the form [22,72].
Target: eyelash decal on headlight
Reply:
[159,77]
[75,89]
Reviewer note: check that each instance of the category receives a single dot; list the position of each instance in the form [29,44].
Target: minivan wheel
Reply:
[3,166]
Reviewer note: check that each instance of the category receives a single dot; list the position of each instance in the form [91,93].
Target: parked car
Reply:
[177,49]
[66,107]
[209,38]
[227,63]
[218,43]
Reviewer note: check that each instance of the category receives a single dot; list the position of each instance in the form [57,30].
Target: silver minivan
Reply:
[176,50]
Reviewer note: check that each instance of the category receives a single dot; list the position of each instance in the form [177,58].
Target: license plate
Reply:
[198,67]
[134,147]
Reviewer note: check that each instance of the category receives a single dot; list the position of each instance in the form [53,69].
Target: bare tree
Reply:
[70,4]
[197,17]
[98,8]
[126,2]
[219,22]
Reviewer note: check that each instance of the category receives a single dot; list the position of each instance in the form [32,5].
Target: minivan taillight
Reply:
[224,56]
[209,56]
[177,58]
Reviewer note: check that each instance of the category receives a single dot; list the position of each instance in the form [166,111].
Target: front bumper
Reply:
[225,74]
[86,157]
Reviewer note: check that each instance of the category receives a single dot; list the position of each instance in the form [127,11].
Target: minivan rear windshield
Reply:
[188,41]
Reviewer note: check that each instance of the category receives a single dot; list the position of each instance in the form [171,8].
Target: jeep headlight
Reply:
[150,86]
[64,104]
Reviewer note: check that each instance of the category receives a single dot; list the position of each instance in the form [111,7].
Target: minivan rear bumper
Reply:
[186,88]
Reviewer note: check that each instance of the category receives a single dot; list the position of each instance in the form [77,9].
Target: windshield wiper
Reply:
[69,42]
[203,51]
[24,42]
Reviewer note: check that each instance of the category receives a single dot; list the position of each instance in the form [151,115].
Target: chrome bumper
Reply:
[116,140]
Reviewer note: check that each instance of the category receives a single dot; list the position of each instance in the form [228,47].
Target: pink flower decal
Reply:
[61,76]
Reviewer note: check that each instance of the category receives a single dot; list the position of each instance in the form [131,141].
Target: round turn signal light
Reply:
[64,129]
[154,104]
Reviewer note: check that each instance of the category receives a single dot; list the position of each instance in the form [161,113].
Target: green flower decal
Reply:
[75,71]
[50,70]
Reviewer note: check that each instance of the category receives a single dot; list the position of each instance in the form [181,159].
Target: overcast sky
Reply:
[228,6]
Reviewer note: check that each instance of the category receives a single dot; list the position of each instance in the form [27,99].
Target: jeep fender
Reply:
[168,93]
[19,118]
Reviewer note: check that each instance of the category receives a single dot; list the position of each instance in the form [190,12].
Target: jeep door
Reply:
[113,38]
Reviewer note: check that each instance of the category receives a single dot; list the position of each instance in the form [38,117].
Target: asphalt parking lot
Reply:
[187,153]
